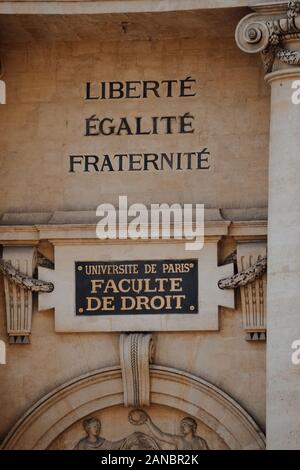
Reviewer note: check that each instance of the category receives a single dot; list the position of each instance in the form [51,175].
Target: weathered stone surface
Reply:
[46,61]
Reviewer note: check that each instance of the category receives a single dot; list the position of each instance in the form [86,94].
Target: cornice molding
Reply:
[79,227]
[69,7]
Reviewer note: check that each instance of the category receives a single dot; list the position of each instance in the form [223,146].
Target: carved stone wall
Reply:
[47,109]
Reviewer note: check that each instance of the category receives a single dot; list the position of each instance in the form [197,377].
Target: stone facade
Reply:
[196,382]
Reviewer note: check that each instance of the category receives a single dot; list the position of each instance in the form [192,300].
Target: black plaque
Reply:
[136,287]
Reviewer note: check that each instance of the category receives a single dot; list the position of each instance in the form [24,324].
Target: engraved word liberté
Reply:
[101,127]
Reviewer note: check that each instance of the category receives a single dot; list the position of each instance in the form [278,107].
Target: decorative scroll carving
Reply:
[246,276]
[136,354]
[18,300]
[20,279]
[267,31]
[186,440]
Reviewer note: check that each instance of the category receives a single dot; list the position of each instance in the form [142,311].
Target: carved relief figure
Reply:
[186,440]
[93,441]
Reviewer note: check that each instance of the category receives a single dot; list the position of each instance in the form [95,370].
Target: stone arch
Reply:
[103,388]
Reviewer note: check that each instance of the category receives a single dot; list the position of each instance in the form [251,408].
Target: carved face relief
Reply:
[188,427]
[92,427]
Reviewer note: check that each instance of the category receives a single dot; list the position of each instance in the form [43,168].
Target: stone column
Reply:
[274,31]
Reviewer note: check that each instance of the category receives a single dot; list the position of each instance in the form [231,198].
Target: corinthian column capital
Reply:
[274,31]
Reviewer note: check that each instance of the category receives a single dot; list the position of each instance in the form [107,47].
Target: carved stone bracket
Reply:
[270,31]
[251,263]
[253,295]
[136,354]
[17,298]
[17,267]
